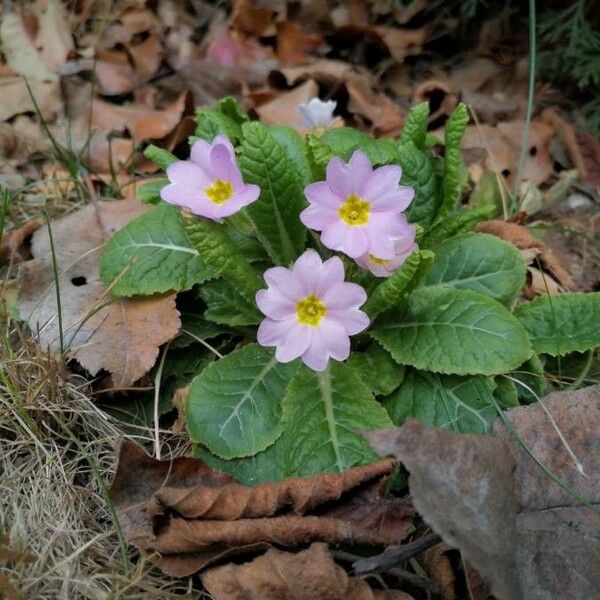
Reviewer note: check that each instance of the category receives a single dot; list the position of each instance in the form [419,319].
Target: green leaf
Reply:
[415,127]
[389,291]
[194,325]
[459,222]
[480,262]
[152,254]
[295,149]
[321,414]
[453,134]
[562,323]
[461,404]
[222,256]
[159,156]
[343,141]
[275,215]
[234,405]
[149,192]
[506,393]
[248,245]
[447,330]
[226,306]
[418,172]
[531,373]
[225,118]
[377,369]
[263,467]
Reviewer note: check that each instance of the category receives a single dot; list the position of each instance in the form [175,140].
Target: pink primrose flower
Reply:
[311,311]
[381,267]
[209,183]
[358,209]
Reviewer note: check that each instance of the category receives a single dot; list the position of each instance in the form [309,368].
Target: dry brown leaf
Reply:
[438,567]
[293,44]
[252,19]
[101,332]
[14,243]
[284,107]
[113,70]
[535,248]
[590,150]
[311,574]
[360,515]
[146,57]
[442,101]
[296,494]
[486,496]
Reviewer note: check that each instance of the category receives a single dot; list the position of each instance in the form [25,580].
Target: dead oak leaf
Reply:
[101,332]
[148,494]
[486,496]
[279,575]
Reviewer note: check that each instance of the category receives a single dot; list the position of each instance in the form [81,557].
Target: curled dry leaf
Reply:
[486,496]
[533,250]
[310,574]
[293,44]
[14,243]
[101,332]
[442,100]
[438,567]
[221,516]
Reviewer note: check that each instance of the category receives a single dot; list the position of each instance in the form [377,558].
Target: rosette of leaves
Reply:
[449,341]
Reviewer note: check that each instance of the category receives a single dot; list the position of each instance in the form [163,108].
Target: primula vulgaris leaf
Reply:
[458,222]
[194,326]
[152,254]
[248,245]
[222,256]
[263,467]
[462,404]
[453,134]
[452,331]
[390,290]
[321,414]
[419,173]
[159,156]
[295,149]
[531,381]
[226,306]
[506,393]
[234,405]
[562,323]
[480,262]
[149,192]
[226,117]
[377,369]
[275,215]
[415,127]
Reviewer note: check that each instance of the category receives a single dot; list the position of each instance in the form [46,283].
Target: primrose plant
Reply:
[331,283]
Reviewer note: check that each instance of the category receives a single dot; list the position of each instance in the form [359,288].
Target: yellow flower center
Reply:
[310,310]
[379,261]
[219,191]
[355,210]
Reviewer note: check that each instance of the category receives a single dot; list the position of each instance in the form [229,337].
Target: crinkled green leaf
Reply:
[234,406]
[461,404]
[152,254]
[480,262]
[453,224]
[390,290]
[226,306]
[562,323]
[415,127]
[248,245]
[506,393]
[193,326]
[159,156]
[452,331]
[453,134]
[343,141]
[296,150]
[226,117]
[263,467]
[149,192]
[222,256]
[377,369]
[418,172]
[275,215]
[321,414]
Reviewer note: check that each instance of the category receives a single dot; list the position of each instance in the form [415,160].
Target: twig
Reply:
[414,579]
[395,554]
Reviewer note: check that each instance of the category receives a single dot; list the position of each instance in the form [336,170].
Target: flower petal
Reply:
[328,339]
[249,194]
[344,295]
[380,182]
[223,140]
[275,305]
[353,241]
[271,332]
[295,342]
[354,321]
[200,154]
[286,283]
[359,170]
[396,199]
[380,244]
[187,173]
[308,268]
[331,274]
[223,167]
[321,193]
[337,177]
[316,217]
